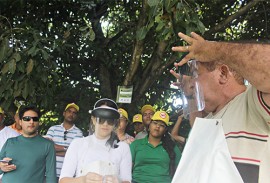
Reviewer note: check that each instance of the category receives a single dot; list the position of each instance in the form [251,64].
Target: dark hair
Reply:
[23,109]
[168,144]
[108,113]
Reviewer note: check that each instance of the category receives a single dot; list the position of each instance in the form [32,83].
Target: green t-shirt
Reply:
[34,157]
[151,164]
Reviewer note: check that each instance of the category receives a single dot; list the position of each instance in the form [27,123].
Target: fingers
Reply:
[196,36]
[7,168]
[176,75]
[185,59]
[186,37]
[111,179]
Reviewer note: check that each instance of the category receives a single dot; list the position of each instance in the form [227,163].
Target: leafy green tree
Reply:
[56,52]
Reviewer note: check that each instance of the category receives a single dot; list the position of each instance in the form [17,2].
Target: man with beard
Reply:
[28,157]
[63,134]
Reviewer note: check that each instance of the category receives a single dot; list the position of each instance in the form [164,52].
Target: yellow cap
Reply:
[1,110]
[147,107]
[72,105]
[137,118]
[161,116]
[123,112]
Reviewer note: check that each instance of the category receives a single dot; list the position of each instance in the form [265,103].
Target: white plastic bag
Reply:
[206,158]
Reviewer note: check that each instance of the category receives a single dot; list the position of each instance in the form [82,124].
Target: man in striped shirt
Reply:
[245,111]
[63,134]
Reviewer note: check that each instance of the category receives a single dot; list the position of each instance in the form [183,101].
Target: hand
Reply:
[183,82]
[111,179]
[5,167]
[97,178]
[195,48]
[129,140]
[93,178]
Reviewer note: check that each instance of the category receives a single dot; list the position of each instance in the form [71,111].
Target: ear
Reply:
[224,74]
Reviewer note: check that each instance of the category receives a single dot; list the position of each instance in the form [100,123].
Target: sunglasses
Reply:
[28,118]
[110,122]
[65,135]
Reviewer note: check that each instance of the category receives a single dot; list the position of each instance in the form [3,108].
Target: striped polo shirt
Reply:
[246,124]
[56,133]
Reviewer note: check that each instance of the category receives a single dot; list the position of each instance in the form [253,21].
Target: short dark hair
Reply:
[23,109]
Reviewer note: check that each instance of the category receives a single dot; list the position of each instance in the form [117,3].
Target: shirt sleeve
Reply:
[71,160]
[51,164]
[50,133]
[126,163]
[132,150]
[3,153]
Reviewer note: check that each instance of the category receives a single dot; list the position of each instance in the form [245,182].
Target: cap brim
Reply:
[106,101]
[106,113]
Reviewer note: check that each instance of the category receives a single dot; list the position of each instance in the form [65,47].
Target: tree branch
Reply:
[138,48]
[229,19]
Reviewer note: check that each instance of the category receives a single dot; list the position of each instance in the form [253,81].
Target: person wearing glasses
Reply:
[28,157]
[100,157]
[156,156]
[63,134]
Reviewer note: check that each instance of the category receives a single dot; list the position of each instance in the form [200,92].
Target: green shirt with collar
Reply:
[151,164]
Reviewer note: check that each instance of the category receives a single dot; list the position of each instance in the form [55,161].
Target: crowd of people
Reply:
[150,154]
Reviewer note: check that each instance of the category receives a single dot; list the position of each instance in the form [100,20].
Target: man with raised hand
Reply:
[245,111]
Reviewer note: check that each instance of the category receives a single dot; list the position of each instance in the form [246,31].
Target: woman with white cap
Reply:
[155,157]
[99,157]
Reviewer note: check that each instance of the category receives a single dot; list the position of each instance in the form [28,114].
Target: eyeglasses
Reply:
[65,135]
[159,124]
[28,118]
[110,122]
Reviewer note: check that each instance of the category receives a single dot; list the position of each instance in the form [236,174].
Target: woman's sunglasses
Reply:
[110,122]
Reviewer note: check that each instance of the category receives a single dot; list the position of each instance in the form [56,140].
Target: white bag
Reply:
[206,158]
[100,167]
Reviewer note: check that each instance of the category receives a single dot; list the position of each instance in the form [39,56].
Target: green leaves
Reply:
[141,33]
[29,67]
[3,49]
[153,2]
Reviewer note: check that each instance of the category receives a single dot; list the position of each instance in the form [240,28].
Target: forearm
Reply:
[251,61]
[72,180]
[59,148]
[180,139]
[176,126]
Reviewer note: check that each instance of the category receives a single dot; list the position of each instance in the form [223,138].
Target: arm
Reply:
[249,60]
[51,165]
[60,150]
[252,61]
[126,164]
[5,167]
[175,130]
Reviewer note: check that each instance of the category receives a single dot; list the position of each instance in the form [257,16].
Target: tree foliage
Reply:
[55,52]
